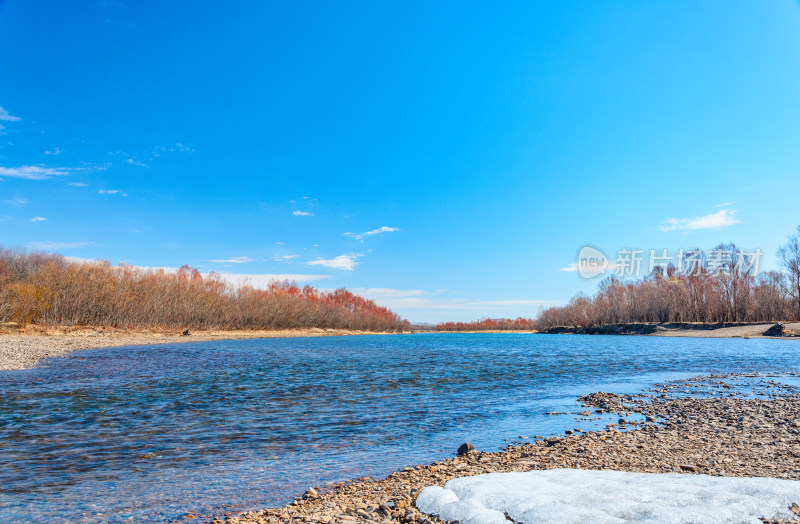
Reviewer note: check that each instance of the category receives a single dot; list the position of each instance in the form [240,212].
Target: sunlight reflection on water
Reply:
[154,432]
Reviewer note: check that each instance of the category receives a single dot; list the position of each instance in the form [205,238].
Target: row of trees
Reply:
[732,292]
[50,289]
[489,324]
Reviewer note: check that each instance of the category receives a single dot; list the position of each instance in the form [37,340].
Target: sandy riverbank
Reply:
[24,349]
[744,331]
[725,434]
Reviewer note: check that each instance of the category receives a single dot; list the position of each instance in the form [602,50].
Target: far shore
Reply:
[23,349]
[685,329]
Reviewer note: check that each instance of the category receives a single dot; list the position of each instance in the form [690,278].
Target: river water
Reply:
[159,432]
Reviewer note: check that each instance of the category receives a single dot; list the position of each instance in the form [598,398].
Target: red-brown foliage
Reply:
[49,289]
[489,324]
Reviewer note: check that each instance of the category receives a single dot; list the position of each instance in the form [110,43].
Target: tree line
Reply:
[727,289]
[732,292]
[49,289]
[489,324]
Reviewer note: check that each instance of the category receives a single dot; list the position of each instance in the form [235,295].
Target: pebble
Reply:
[717,435]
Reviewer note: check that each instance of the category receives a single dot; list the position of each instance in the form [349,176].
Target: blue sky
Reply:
[447,160]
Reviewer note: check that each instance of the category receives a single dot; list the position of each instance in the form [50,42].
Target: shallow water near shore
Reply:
[157,432]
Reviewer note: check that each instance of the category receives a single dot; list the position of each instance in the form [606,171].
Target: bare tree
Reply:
[789,254]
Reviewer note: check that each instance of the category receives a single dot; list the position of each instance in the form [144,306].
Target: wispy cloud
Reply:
[234,260]
[720,219]
[55,151]
[263,280]
[33,172]
[18,201]
[726,204]
[178,147]
[361,236]
[5,117]
[435,300]
[112,192]
[81,260]
[59,245]
[299,213]
[256,280]
[78,184]
[612,266]
[38,219]
[510,302]
[133,162]
[346,262]
[284,258]
[386,292]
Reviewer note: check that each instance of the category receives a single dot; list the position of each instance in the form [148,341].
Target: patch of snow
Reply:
[576,496]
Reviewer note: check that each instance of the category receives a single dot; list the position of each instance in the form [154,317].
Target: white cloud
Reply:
[33,172]
[78,184]
[59,245]
[177,147]
[81,260]
[385,292]
[299,213]
[263,280]
[135,163]
[18,201]
[346,262]
[234,260]
[726,204]
[4,116]
[398,299]
[511,302]
[284,258]
[574,267]
[256,280]
[55,151]
[720,219]
[38,219]
[360,236]
[111,192]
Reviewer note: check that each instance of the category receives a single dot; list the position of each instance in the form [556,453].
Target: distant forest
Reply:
[490,324]
[731,292]
[50,289]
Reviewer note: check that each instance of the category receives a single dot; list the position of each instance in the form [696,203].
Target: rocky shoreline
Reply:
[706,425]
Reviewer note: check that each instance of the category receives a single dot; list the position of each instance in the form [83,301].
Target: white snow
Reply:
[574,495]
